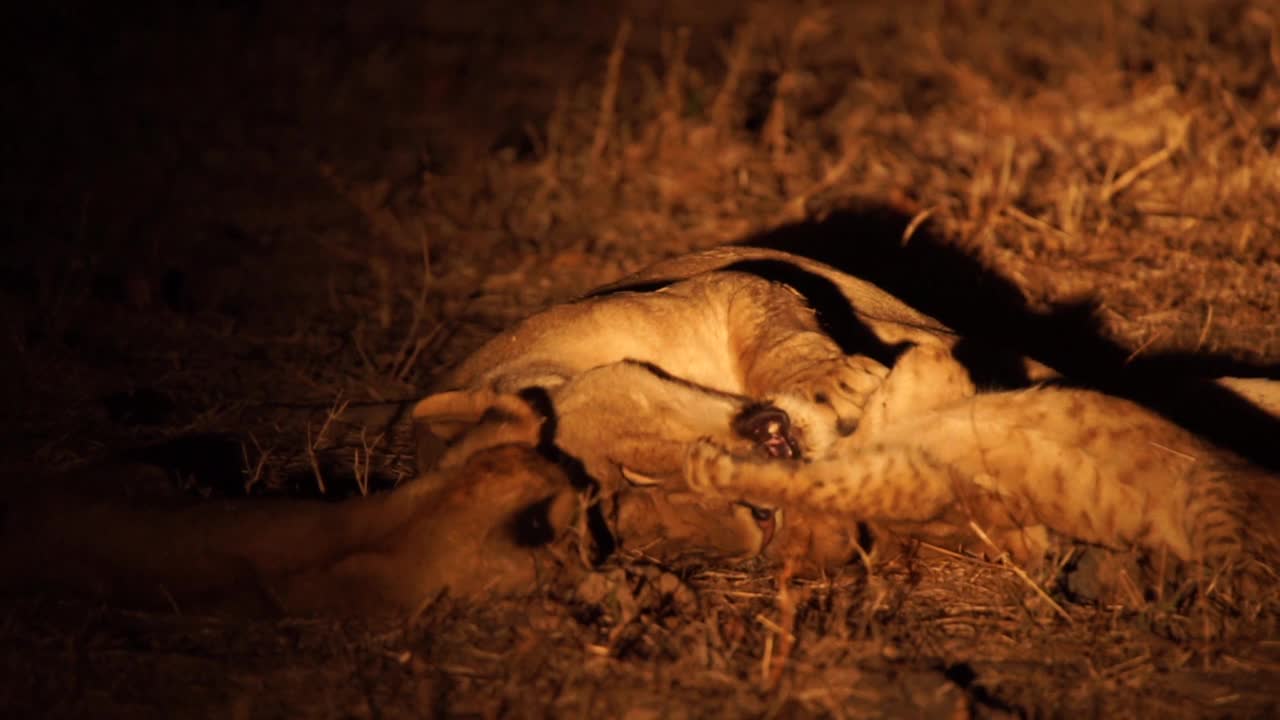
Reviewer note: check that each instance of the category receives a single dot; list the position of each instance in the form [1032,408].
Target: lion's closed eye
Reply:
[765,518]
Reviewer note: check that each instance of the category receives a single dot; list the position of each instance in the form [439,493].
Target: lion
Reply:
[478,527]
[696,342]
[935,460]
[628,426]
[455,525]
[498,519]
[452,526]
[714,340]
[737,319]
[602,398]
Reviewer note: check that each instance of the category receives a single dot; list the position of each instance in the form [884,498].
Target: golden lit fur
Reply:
[493,519]
[724,336]
[454,528]
[643,391]
[931,457]
[636,375]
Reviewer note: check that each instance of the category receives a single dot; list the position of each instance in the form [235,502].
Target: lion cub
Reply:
[933,460]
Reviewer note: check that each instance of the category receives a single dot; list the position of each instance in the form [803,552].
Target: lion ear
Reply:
[440,419]
[447,415]
[450,427]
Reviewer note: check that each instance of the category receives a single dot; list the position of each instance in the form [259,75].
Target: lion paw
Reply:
[708,468]
[840,386]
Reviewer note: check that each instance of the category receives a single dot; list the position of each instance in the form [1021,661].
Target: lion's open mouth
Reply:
[770,428]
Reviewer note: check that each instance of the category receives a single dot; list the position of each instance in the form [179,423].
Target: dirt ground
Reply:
[230,218]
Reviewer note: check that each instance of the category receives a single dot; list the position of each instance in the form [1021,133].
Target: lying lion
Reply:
[453,526]
[496,518]
[1011,471]
[635,379]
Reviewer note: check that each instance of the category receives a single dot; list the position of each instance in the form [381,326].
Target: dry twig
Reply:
[609,97]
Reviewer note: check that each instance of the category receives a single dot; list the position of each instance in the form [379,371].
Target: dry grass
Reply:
[424,192]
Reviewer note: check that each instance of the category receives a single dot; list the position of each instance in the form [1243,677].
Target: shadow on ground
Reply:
[989,311]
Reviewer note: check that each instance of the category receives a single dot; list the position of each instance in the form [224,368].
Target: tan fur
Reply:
[726,331]
[458,528]
[725,335]
[635,379]
[452,528]
[931,457]
[631,428]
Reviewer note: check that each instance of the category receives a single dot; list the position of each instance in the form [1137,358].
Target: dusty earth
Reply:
[228,220]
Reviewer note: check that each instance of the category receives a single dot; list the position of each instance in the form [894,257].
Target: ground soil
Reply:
[228,217]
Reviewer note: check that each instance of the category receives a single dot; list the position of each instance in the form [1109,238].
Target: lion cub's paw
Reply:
[839,387]
[923,379]
[708,468]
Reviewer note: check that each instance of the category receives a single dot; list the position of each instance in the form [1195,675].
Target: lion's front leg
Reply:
[881,483]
